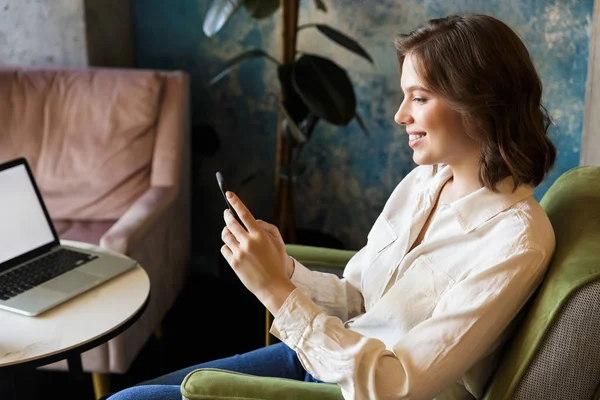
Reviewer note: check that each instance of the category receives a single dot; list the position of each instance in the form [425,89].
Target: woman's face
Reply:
[435,131]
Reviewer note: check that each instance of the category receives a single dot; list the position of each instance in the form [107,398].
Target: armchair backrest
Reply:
[555,353]
[96,138]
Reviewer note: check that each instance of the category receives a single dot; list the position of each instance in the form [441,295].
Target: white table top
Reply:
[80,320]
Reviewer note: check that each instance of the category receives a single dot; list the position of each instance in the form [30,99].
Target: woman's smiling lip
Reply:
[413,143]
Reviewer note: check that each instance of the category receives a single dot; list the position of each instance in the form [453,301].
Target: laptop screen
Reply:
[23,223]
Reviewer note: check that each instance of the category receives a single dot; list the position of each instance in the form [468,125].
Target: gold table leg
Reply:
[101,384]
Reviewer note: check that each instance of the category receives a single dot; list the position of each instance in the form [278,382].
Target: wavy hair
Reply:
[483,70]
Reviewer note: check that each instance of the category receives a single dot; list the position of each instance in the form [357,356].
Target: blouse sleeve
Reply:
[467,320]
[337,297]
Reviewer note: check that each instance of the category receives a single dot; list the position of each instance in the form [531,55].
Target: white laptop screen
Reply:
[23,224]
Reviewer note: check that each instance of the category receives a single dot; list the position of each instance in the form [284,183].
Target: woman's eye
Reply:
[419,100]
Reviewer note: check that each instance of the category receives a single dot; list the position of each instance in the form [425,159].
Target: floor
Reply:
[233,326]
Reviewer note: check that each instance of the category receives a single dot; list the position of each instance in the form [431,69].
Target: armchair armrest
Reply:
[320,258]
[131,228]
[216,384]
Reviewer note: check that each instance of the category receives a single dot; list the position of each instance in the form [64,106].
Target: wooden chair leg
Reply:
[268,322]
[101,384]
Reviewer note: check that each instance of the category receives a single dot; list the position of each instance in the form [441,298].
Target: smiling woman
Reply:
[492,96]
[436,132]
[461,244]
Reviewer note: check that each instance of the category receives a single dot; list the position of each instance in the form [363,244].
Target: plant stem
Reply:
[289,28]
[283,209]
[282,201]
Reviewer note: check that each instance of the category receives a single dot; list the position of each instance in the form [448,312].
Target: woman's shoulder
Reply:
[538,228]
[525,225]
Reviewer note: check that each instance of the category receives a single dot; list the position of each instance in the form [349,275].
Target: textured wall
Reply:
[349,175]
[71,33]
[42,32]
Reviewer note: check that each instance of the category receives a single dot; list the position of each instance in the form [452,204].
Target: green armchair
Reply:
[554,353]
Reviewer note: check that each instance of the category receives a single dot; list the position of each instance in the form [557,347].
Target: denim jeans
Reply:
[277,360]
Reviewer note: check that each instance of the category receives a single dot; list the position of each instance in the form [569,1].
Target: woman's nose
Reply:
[402,116]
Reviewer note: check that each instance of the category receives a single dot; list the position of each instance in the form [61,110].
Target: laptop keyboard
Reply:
[40,270]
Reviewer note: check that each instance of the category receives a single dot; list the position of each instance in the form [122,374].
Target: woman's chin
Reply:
[421,159]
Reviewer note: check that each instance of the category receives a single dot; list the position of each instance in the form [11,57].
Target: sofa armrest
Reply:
[131,228]
[320,258]
[154,231]
[216,384]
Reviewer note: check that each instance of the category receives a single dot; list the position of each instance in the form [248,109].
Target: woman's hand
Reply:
[278,242]
[257,256]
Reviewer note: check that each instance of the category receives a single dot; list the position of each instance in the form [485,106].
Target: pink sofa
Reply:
[110,151]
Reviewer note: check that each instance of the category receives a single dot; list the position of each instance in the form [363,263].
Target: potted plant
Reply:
[312,88]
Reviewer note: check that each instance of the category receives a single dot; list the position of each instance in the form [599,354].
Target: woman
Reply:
[458,249]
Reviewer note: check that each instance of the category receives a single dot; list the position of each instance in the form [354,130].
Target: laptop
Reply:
[36,272]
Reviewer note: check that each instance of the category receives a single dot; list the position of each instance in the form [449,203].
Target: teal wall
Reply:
[349,175]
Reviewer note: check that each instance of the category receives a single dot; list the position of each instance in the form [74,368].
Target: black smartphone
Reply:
[223,189]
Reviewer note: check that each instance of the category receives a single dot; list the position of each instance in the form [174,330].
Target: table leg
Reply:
[8,384]
[75,366]
[76,375]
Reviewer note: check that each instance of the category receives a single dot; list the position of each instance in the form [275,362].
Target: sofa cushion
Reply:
[77,123]
[215,384]
[82,231]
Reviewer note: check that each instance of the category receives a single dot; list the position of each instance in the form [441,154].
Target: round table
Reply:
[73,327]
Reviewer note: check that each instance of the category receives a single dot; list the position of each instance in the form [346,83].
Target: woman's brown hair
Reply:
[483,70]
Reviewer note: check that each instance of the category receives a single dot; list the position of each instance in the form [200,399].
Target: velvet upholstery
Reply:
[67,116]
[215,384]
[109,148]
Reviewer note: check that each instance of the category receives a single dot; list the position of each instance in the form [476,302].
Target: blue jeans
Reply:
[277,360]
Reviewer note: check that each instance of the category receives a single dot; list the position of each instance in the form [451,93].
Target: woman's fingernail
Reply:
[229,195]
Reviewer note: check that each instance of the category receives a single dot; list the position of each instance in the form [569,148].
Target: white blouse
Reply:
[426,323]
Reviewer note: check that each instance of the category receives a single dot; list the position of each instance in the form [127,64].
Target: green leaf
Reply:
[320,5]
[255,53]
[293,103]
[325,88]
[341,39]
[290,125]
[361,122]
[218,14]
[261,8]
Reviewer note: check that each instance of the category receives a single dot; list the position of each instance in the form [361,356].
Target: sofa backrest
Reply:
[554,353]
[87,133]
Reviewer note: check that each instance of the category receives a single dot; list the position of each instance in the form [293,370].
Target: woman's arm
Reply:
[337,297]
[344,298]
[468,319]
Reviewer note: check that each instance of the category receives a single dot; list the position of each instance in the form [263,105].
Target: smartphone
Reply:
[223,189]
